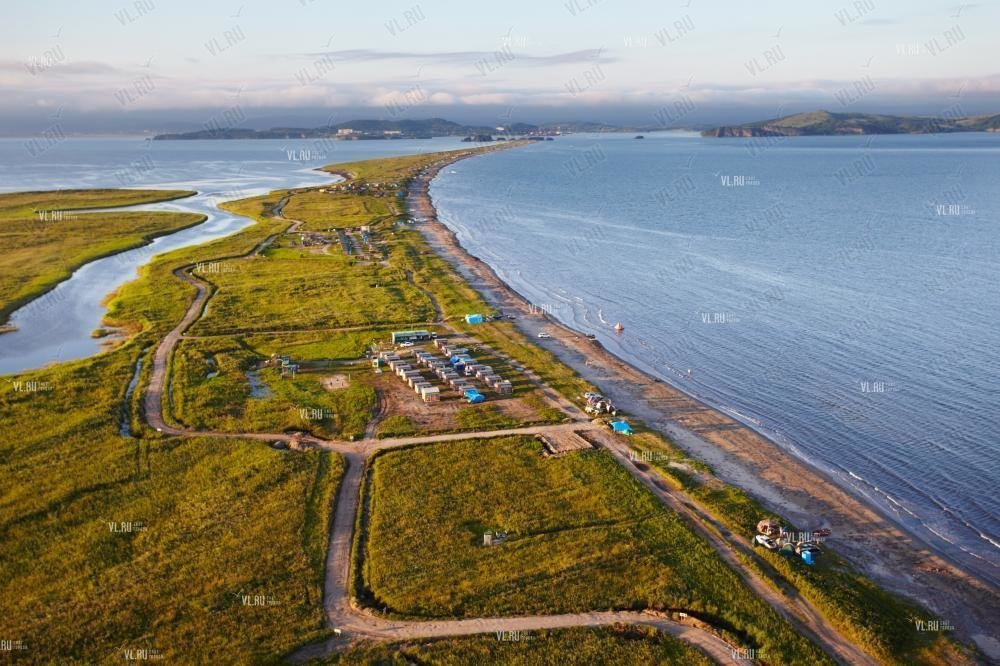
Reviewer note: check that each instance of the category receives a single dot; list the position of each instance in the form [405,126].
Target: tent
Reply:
[473,319]
[807,556]
[621,427]
[472,395]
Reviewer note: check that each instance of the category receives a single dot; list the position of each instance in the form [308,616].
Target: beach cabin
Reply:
[621,428]
[430,394]
[474,319]
[504,387]
[418,387]
[474,396]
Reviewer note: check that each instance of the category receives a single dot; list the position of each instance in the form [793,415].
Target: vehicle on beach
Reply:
[406,344]
[765,541]
[544,336]
[821,532]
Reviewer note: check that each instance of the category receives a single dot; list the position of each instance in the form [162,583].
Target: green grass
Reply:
[43,237]
[78,585]
[287,289]
[211,388]
[483,416]
[625,646]
[881,622]
[396,426]
[314,208]
[586,536]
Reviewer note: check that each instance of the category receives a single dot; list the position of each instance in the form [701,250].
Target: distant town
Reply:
[365,130]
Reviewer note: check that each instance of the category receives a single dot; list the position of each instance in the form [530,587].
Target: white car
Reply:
[405,344]
[544,335]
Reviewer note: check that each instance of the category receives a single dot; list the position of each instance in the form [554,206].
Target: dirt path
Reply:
[355,622]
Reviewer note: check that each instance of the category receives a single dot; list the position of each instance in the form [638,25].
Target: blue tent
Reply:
[472,395]
[807,556]
[473,319]
[621,427]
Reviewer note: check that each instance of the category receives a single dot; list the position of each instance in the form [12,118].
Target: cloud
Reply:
[51,65]
[460,58]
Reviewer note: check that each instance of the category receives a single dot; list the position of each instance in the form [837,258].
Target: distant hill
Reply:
[824,123]
[389,129]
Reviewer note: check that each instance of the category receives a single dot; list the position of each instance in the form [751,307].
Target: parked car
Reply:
[544,335]
[405,344]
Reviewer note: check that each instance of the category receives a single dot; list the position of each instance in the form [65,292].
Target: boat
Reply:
[639,136]
[619,328]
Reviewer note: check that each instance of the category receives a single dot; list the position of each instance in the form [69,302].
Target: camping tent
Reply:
[474,319]
[621,427]
[472,395]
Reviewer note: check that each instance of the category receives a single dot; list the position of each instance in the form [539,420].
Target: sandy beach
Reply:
[787,485]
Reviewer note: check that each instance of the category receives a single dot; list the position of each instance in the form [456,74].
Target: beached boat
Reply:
[619,328]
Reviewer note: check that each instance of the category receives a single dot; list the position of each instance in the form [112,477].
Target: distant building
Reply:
[410,336]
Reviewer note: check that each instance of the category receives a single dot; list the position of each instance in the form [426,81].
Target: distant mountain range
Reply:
[821,123]
[390,129]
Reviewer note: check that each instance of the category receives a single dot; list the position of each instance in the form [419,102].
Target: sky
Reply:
[164,65]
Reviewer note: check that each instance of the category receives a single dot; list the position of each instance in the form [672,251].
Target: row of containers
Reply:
[462,364]
[458,375]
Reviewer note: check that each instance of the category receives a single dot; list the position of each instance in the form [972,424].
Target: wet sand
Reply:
[789,486]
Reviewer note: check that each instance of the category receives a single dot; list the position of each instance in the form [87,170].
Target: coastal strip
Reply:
[784,483]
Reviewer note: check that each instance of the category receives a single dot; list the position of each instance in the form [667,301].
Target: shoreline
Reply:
[874,542]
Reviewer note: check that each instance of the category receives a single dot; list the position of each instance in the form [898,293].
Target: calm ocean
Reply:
[840,294]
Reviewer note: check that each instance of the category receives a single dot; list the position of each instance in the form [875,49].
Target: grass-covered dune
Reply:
[621,646]
[45,236]
[585,536]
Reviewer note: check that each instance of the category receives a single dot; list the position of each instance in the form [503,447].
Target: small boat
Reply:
[619,328]
[639,136]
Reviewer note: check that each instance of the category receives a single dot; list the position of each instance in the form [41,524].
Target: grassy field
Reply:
[315,209]
[44,237]
[883,623]
[291,289]
[624,646]
[585,536]
[112,543]
[212,389]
